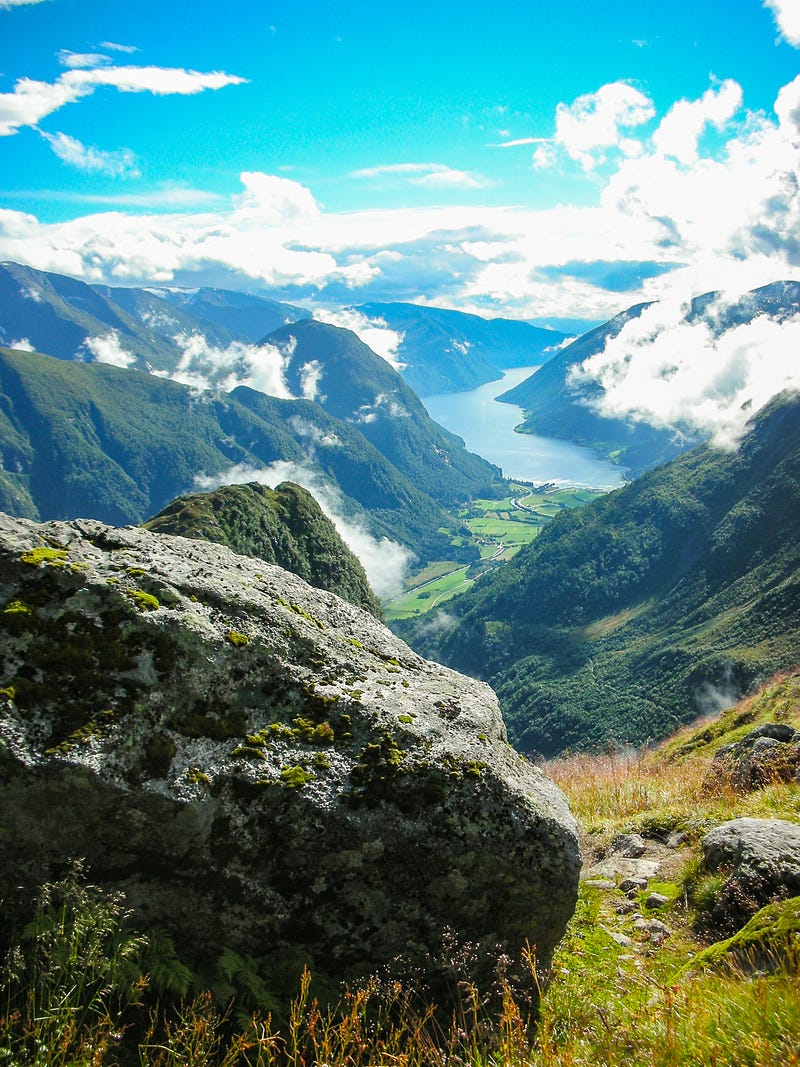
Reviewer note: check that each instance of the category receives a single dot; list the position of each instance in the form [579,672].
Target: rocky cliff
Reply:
[259,765]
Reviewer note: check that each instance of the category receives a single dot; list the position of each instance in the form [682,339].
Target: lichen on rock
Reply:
[310,786]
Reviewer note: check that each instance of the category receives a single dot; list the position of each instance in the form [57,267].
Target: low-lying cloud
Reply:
[261,367]
[108,349]
[385,562]
[663,370]
[374,332]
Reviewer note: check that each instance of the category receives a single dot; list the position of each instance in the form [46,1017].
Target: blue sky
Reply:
[527,159]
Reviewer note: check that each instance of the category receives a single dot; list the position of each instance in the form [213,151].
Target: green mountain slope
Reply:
[448,351]
[95,441]
[352,383]
[556,407]
[284,525]
[65,317]
[663,600]
[244,314]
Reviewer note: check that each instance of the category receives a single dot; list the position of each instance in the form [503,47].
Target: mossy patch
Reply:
[237,639]
[143,601]
[54,557]
[770,941]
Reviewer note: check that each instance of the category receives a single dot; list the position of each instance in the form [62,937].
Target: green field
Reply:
[500,528]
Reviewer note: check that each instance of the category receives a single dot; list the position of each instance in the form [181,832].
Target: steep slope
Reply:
[284,525]
[557,406]
[119,445]
[68,319]
[243,314]
[660,601]
[450,351]
[333,367]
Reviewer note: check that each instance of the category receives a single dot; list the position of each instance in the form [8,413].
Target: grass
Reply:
[73,995]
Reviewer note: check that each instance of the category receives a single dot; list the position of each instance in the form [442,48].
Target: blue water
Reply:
[488,429]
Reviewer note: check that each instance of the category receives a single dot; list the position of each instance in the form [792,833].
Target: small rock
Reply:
[600,883]
[652,929]
[656,900]
[625,907]
[633,885]
[677,838]
[621,939]
[631,846]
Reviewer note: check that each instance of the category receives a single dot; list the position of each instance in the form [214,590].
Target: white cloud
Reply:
[119,164]
[679,132]
[595,121]
[6,4]
[312,436]
[112,46]
[82,59]
[375,333]
[728,220]
[204,366]
[665,371]
[108,349]
[787,16]
[30,101]
[386,562]
[23,345]
[432,175]
[310,376]
[161,81]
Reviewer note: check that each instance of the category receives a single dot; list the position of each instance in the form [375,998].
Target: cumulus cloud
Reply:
[708,212]
[30,101]
[787,16]
[594,123]
[118,164]
[108,349]
[374,332]
[22,345]
[687,375]
[679,132]
[385,561]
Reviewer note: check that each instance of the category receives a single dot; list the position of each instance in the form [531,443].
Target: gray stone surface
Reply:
[761,858]
[258,764]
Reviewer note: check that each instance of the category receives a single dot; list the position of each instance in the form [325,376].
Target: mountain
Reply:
[284,525]
[94,440]
[449,351]
[245,315]
[68,319]
[654,604]
[164,332]
[333,367]
[556,406]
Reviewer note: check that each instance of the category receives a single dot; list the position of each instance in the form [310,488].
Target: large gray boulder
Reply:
[259,765]
[760,859]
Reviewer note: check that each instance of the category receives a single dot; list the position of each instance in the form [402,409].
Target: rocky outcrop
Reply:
[768,754]
[259,765]
[760,861]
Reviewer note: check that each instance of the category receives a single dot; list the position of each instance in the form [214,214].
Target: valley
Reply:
[400,534]
[500,528]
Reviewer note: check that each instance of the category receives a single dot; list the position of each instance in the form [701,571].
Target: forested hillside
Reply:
[659,602]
